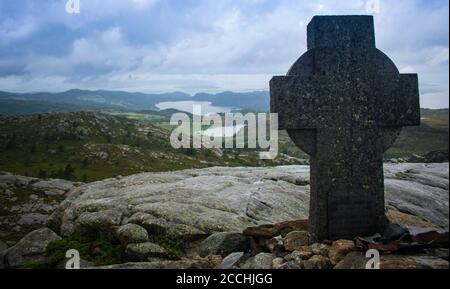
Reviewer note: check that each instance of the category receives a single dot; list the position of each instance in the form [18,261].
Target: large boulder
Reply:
[131,233]
[101,224]
[189,203]
[144,251]
[419,189]
[31,250]
[53,186]
[224,243]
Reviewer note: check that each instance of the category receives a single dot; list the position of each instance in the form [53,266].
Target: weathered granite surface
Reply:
[201,202]
[31,249]
[26,203]
[344,102]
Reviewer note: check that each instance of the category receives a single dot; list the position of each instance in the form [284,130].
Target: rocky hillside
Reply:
[88,146]
[166,215]
[26,203]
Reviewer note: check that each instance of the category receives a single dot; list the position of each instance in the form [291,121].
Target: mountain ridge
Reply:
[122,100]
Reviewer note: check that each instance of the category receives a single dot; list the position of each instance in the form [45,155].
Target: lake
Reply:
[206,108]
[227,131]
[186,106]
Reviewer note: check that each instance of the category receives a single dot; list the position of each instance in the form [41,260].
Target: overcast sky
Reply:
[201,45]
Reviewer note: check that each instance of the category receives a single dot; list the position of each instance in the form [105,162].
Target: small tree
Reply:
[69,172]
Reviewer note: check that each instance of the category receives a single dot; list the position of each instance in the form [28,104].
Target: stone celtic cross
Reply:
[344,103]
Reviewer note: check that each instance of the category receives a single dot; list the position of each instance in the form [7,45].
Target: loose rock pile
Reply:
[288,245]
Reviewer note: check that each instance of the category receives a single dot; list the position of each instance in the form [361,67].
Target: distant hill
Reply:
[431,135]
[75,100]
[99,99]
[139,108]
[18,107]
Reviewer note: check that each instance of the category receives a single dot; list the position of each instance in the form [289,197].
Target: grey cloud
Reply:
[203,45]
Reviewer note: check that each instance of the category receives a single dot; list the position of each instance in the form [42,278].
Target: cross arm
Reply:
[299,102]
[401,105]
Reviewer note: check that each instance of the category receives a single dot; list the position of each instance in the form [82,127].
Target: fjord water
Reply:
[187,106]
[206,108]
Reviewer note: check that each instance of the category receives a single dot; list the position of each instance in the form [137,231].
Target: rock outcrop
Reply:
[31,250]
[419,189]
[250,217]
[197,203]
[26,203]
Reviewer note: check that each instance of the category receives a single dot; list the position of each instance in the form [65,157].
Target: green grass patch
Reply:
[33,266]
[99,251]
[174,245]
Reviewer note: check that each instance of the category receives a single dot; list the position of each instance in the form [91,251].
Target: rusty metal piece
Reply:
[433,239]
[418,243]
